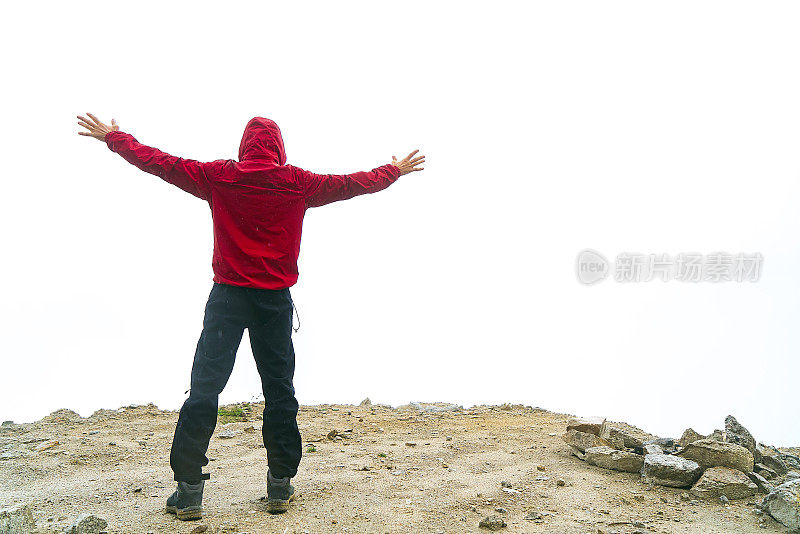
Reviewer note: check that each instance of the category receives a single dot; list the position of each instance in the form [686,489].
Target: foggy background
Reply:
[547,128]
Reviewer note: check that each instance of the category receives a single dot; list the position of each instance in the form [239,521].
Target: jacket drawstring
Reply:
[294,311]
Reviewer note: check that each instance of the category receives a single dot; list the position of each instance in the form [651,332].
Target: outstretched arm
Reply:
[190,175]
[321,189]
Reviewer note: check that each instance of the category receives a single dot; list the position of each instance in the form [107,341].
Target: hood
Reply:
[262,141]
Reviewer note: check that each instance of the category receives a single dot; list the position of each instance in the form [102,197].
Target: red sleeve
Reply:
[192,176]
[321,189]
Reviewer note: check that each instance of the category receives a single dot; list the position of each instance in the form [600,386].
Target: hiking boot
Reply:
[186,501]
[279,494]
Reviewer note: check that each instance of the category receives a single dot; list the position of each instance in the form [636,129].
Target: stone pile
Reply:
[727,464]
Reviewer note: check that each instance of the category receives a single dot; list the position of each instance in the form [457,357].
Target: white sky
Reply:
[548,128]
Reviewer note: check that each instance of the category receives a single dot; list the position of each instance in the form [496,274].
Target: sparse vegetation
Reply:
[234,413]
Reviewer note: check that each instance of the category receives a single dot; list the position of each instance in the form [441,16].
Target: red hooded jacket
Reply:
[257,203]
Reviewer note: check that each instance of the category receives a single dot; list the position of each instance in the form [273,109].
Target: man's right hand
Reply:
[407,164]
[96,128]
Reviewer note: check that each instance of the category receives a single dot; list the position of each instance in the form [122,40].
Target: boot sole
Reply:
[278,506]
[186,514]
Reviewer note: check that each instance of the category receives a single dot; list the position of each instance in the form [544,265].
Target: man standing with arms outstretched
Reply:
[257,205]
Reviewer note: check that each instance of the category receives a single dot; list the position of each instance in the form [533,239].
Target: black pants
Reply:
[267,314]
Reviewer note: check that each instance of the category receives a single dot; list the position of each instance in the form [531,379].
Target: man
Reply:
[257,204]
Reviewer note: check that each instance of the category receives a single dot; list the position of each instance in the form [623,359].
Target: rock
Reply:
[533,515]
[577,452]
[49,444]
[626,435]
[652,448]
[617,441]
[17,520]
[712,453]
[765,450]
[778,461]
[14,454]
[775,464]
[590,425]
[669,470]
[717,435]
[199,529]
[505,484]
[783,504]
[723,481]
[232,526]
[761,482]
[365,402]
[332,434]
[87,524]
[610,458]
[8,423]
[764,471]
[736,433]
[792,475]
[62,416]
[561,482]
[664,443]
[689,436]
[433,408]
[492,522]
[791,461]
[583,440]
[228,434]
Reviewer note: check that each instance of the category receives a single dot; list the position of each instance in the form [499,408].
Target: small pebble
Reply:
[492,522]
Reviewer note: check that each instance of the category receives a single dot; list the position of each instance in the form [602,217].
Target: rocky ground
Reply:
[369,468]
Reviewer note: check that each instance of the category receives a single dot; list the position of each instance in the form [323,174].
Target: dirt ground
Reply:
[389,470]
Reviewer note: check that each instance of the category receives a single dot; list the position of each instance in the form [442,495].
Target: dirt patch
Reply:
[385,470]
